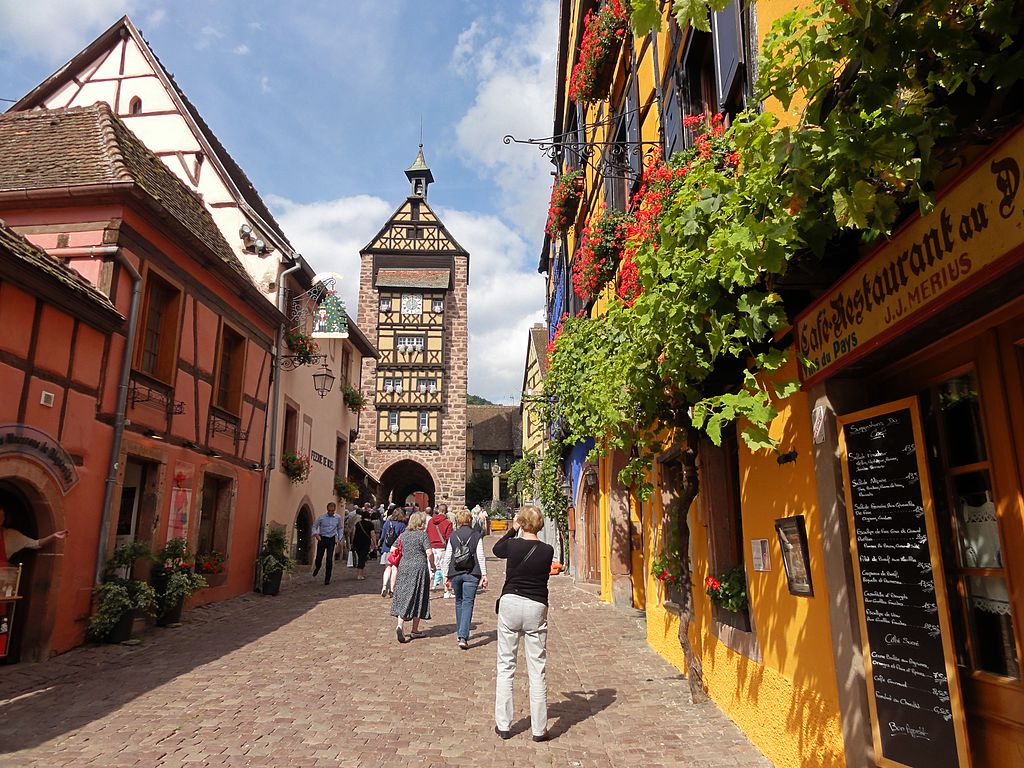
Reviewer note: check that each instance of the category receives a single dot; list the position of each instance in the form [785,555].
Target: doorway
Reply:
[18,515]
[971,394]
[303,526]
[136,516]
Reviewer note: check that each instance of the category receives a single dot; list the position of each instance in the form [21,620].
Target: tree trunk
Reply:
[690,485]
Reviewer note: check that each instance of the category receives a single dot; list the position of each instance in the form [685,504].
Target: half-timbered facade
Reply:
[412,300]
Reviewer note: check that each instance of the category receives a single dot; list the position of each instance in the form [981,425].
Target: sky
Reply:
[322,102]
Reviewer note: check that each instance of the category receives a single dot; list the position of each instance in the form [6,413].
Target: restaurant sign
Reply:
[926,264]
[23,440]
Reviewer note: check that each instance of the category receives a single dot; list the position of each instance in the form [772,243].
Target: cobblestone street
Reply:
[315,677]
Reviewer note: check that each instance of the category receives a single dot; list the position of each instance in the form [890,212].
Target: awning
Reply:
[354,463]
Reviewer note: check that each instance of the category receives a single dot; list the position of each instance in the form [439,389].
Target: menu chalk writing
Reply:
[908,668]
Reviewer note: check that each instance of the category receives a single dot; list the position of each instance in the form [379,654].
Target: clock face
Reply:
[412,304]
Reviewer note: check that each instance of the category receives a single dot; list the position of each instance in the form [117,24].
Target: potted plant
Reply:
[120,598]
[296,466]
[210,565]
[302,345]
[565,197]
[273,562]
[603,33]
[354,399]
[597,258]
[175,581]
[345,489]
[729,590]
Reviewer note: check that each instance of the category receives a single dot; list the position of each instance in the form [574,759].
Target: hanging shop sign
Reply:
[933,260]
[917,715]
[329,319]
[23,440]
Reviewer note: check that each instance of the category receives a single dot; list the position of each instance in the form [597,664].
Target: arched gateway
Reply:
[406,480]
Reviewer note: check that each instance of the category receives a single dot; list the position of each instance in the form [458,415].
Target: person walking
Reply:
[439,529]
[364,538]
[393,528]
[412,586]
[465,569]
[326,531]
[523,615]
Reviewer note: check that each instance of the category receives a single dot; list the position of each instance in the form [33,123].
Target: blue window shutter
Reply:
[725,25]
[673,127]
[633,153]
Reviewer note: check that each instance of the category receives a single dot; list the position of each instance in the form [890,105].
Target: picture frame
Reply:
[792,535]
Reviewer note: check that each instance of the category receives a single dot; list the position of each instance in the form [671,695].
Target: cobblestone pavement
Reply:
[315,677]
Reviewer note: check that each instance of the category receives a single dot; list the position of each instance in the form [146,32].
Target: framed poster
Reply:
[792,535]
[6,624]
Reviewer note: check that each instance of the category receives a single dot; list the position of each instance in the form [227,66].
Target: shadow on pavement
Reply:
[576,707]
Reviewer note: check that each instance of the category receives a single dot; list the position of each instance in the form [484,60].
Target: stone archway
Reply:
[404,479]
[32,505]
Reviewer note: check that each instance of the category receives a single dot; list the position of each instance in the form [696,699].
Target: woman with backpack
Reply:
[394,526]
[465,569]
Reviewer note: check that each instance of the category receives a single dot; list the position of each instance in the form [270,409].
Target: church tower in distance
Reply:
[412,303]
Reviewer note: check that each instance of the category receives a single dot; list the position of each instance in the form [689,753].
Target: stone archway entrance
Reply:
[25,511]
[303,526]
[407,480]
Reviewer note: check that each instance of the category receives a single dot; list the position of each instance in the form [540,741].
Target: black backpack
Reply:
[390,535]
[464,554]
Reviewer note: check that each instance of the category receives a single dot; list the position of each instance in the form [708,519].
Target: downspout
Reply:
[272,459]
[122,391]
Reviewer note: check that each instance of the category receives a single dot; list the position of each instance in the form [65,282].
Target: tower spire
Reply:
[419,174]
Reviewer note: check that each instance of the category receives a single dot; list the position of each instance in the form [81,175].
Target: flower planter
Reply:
[122,630]
[499,525]
[171,616]
[272,583]
[215,579]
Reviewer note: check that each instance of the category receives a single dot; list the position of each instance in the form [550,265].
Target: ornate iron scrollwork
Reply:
[292,362]
[143,394]
[226,427]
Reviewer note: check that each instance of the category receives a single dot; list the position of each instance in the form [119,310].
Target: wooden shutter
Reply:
[728,45]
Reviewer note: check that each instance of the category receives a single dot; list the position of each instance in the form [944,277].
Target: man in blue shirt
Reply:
[326,531]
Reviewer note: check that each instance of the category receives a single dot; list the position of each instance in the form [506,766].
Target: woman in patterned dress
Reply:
[412,587]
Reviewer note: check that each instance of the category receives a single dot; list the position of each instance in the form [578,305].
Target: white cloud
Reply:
[155,18]
[514,75]
[240,50]
[466,48]
[207,35]
[53,31]
[265,84]
[329,234]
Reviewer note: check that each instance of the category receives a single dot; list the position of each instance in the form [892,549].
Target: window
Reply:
[341,458]
[214,515]
[699,88]
[135,106]
[291,430]
[419,186]
[410,343]
[728,35]
[423,386]
[393,421]
[617,170]
[157,350]
[392,384]
[385,305]
[424,422]
[412,304]
[346,366]
[231,370]
[438,306]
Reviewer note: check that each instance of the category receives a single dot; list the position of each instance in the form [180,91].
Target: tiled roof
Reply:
[83,146]
[38,262]
[495,427]
[539,339]
[413,278]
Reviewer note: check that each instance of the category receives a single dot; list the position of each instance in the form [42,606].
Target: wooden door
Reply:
[974,441]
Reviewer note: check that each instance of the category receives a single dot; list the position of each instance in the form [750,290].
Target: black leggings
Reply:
[361,549]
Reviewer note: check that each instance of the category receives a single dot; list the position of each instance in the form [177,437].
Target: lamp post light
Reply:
[323,380]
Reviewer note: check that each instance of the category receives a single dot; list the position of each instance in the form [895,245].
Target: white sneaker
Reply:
[448,595]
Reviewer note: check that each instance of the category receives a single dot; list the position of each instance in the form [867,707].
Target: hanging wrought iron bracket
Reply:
[226,427]
[293,362]
[140,394]
[298,312]
[613,156]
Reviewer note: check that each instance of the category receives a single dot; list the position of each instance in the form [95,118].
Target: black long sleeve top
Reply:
[526,575]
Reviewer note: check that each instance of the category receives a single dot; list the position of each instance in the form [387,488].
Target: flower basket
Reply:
[600,251]
[344,489]
[302,346]
[354,399]
[729,590]
[565,199]
[603,33]
[296,466]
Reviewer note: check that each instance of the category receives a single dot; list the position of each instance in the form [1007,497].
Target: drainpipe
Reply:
[122,389]
[272,460]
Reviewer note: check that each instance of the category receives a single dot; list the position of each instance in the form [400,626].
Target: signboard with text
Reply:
[926,264]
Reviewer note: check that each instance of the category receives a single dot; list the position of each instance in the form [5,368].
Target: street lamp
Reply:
[323,380]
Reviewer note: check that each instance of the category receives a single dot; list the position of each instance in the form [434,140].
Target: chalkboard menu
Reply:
[913,712]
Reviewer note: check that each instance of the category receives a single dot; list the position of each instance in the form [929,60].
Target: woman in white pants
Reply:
[523,614]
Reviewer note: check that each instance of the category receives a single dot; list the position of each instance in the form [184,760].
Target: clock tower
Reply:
[412,302]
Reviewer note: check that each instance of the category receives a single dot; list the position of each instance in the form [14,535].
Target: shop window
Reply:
[346,366]
[157,350]
[720,490]
[231,370]
[214,515]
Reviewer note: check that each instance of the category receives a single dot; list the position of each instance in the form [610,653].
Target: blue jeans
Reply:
[464,586]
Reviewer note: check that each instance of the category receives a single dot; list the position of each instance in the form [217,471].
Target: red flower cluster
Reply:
[667,577]
[602,34]
[565,196]
[598,256]
[556,334]
[302,345]
[712,584]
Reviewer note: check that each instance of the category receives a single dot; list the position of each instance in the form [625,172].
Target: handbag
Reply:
[395,555]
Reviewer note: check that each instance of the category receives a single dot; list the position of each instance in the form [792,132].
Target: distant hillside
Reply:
[477,400]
